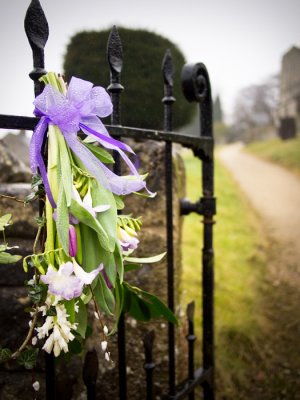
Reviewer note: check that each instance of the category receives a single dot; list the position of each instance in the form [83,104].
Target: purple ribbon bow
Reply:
[80,109]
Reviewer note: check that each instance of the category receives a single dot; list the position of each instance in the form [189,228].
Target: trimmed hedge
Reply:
[143,52]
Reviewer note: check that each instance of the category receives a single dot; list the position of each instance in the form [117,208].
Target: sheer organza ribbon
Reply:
[80,109]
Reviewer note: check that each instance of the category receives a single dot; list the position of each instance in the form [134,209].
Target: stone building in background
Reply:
[289,106]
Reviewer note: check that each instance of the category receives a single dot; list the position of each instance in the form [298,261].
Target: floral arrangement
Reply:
[88,243]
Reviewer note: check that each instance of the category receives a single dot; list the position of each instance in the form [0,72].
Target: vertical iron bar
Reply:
[149,365]
[206,128]
[196,87]
[90,373]
[37,31]
[115,61]
[191,340]
[168,100]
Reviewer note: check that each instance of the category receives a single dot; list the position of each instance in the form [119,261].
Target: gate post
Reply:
[196,87]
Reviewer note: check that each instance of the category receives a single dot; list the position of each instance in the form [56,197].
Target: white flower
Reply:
[86,277]
[105,330]
[104,345]
[34,341]
[36,386]
[128,238]
[69,279]
[87,203]
[62,282]
[60,328]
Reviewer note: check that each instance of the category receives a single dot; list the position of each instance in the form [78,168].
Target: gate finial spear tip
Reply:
[115,51]
[36,25]
[167,68]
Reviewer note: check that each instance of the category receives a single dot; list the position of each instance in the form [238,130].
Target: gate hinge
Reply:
[204,206]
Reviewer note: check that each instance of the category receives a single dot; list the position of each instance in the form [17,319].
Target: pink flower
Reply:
[72,241]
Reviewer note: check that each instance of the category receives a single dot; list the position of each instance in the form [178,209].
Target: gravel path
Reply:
[275,194]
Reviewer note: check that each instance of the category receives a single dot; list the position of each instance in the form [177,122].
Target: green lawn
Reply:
[239,269]
[283,152]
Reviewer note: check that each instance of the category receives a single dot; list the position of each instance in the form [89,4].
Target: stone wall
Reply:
[15,383]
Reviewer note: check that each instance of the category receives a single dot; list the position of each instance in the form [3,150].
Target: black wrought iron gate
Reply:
[196,87]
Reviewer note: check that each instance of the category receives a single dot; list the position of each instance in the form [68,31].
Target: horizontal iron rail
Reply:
[204,144]
[17,122]
[187,386]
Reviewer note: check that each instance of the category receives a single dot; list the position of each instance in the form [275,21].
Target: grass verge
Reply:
[283,152]
[239,269]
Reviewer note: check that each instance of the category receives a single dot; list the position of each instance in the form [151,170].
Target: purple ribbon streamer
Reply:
[36,159]
[80,108]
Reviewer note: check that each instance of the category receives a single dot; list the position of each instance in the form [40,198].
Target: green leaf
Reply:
[28,357]
[70,307]
[136,307]
[104,296]
[145,260]
[119,298]
[51,312]
[110,268]
[40,221]
[108,218]
[85,217]
[86,295]
[62,221]
[119,202]
[5,355]
[100,153]
[37,292]
[65,166]
[81,319]
[143,306]
[36,181]
[6,258]
[92,253]
[119,261]
[75,346]
[89,331]
[4,221]
[131,267]
[25,265]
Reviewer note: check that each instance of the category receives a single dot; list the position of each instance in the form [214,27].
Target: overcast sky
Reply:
[240,41]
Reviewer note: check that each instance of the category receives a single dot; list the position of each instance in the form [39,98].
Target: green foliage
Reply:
[143,306]
[5,221]
[37,292]
[6,258]
[141,74]
[37,189]
[5,355]
[28,357]
[285,153]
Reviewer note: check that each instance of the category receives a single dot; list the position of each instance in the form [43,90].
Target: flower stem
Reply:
[12,198]
[28,337]
[37,239]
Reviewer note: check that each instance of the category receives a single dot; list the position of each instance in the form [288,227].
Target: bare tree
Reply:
[256,106]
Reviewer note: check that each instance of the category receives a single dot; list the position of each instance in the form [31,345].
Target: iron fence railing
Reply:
[196,87]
